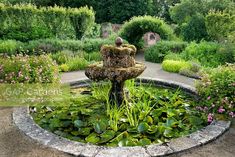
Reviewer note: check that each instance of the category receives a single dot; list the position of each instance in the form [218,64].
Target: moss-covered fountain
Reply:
[118,66]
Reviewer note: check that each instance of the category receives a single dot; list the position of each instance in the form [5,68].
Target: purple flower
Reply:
[232,114]
[221,110]
[209,97]
[210,117]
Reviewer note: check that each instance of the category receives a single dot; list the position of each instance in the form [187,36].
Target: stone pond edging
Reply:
[26,124]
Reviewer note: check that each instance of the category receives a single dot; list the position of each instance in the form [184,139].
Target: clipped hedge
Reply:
[51,46]
[26,22]
[156,53]
[134,29]
[174,66]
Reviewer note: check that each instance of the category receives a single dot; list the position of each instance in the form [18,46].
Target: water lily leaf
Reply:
[92,138]
[55,123]
[171,122]
[143,127]
[84,131]
[106,136]
[78,123]
[100,127]
[75,133]
[144,141]
[153,129]
[127,142]
[168,133]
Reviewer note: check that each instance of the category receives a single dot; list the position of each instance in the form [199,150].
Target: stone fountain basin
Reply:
[26,124]
[97,72]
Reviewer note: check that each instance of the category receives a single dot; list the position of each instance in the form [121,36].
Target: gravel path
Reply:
[13,143]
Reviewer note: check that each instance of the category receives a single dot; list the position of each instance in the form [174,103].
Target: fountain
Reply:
[118,66]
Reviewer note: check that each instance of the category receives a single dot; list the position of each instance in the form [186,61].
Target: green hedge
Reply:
[174,66]
[156,53]
[134,29]
[28,69]
[26,22]
[51,46]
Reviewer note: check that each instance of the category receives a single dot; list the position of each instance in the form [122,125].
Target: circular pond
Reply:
[150,122]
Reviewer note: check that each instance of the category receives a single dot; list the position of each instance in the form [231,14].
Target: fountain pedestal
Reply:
[118,66]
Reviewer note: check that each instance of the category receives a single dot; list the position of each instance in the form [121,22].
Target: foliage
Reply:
[25,22]
[183,11]
[195,29]
[174,66]
[52,46]
[157,52]
[219,25]
[72,61]
[106,10]
[152,115]
[77,63]
[64,68]
[82,20]
[209,54]
[189,16]
[217,88]
[134,29]
[28,69]
[9,46]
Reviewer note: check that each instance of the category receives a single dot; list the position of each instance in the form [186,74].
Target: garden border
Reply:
[26,124]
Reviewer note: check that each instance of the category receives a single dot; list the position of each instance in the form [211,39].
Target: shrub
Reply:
[216,89]
[157,52]
[209,54]
[219,25]
[28,69]
[10,46]
[174,66]
[194,29]
[64,68]
[62,56]
[94,56]
[134,29]
[173,56]
[77,63]
[52,46]
[189,73]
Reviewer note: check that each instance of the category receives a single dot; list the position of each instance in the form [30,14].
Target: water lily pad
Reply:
[78,123]
[143,127]
[100,127]
[144,141]
[92,138]
[106,136]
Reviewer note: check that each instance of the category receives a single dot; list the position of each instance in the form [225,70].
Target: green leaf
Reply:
[143,127]
[100,127]
[92,138]
[75,133]
[84,131]
[78,123]
[107,135]
[144,141]
[168,133]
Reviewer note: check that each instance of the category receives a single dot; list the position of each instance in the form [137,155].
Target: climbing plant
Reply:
[134,29]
